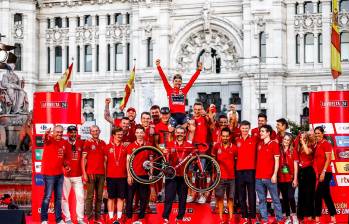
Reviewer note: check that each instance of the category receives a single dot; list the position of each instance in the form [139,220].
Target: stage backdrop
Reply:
[330,110]
[49,109]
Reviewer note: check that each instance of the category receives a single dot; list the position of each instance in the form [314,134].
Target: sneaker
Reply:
[190,199]
[288,220]
[165,221]
[202,200]
[243,221]
[294,219]
[81,222]
[44,222]
[68,222]
[61,222]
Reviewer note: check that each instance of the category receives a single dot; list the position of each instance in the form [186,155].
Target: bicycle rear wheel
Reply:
[203,181]
[146,164]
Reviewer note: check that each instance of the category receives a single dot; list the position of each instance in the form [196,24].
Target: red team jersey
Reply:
[73,158]
[160,130]
[53,156]
[287,158]
[139,159]
[226,159]
[177,153]
[116,160]
[304,159]
[321,149]
[201,130]
[95,156]
[265,159]
[176,97]
[255,132]
[246,153]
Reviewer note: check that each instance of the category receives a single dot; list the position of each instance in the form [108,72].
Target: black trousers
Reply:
[172,187]
[143,190]
[288,202]
[246,180]
[306,192]
[323,192]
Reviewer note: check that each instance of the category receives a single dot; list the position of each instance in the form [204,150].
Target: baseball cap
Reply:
[72,128]
[165,110]
[131,109]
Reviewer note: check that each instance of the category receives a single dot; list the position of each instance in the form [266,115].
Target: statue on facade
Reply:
[206,16]
[208,62]
[13,97]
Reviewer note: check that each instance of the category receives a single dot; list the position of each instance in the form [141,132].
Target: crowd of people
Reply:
[253,163]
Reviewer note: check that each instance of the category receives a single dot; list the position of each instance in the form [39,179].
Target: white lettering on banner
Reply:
[342,180]
[40,129]
[342,128]
[328,127]
[38,166]
[334,103]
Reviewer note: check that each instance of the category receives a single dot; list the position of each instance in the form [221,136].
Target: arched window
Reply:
[309,48]
[298,49]
[18,53]
[308,7]
[88,58]
[262,46]
[344,5]
[118,57]
[319,48]
[345,46]
[58,59]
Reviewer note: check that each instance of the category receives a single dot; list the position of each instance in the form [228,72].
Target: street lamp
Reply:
[259,78]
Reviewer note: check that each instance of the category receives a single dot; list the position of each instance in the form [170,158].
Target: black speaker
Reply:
[12,217]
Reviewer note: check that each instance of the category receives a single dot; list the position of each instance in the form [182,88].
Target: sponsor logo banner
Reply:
[343,154]
[39,180]
[38,154]
[342,128]
[328,127]
[342,180]
[342,141]
[39,141]
[54,104]
[342,167]
[40,129]
[38,166]
[334,103]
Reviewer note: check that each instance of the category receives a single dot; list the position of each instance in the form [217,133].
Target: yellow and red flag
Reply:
[64,81]
[128,88]
[336,68]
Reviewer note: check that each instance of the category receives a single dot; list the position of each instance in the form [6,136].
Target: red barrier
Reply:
[49,108]
[330,110]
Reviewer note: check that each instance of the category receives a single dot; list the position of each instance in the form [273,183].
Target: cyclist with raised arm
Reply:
[177,95]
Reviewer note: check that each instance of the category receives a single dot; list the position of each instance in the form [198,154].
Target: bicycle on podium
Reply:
[201,172]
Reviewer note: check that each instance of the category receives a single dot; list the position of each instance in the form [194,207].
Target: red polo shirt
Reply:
[304,159]
[226,158]
[160,130]
[177,152]
[321,148]
[287,158]
[246,153]
[265,159]
[116,160]
[73,158]
[95,156]
[255,132]
[53,156]
[201,130]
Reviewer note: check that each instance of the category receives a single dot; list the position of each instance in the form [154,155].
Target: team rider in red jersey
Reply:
[177,95]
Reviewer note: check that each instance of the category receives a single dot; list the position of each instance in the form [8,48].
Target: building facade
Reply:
[263,55]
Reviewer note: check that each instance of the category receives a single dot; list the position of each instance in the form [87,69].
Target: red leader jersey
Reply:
[54,156]
[177,152]
[255,132]
[176,97]
[226,158]
[246,153]
[139,159]
[73,158]
[116,160]
[95,156]
[161,129]
[265,159]
[287,158]
[321,148]
[201,130]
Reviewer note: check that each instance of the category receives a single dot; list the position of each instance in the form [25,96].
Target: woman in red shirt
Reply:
[306,177]
[287,176]
[322,160]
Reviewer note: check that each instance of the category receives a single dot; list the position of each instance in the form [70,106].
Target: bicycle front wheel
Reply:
[202,180]
[146,164]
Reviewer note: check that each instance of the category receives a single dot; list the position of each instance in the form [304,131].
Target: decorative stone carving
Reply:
[87,33]
[197,42]
[118,32]
[343,20]
[57,36]
[308,23]
[206,16]
[148,30]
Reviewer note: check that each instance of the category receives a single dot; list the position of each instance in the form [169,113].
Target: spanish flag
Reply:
[336,69]
[64,81]
[128,88]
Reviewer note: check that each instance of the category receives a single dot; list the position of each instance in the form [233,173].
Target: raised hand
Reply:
[200,65]
[157,62]
[107,101]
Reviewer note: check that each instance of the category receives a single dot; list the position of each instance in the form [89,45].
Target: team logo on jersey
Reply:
[111,150]
[93,147]
[238,144]
[219,151]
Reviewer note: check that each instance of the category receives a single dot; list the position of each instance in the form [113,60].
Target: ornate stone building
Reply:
[261,54]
